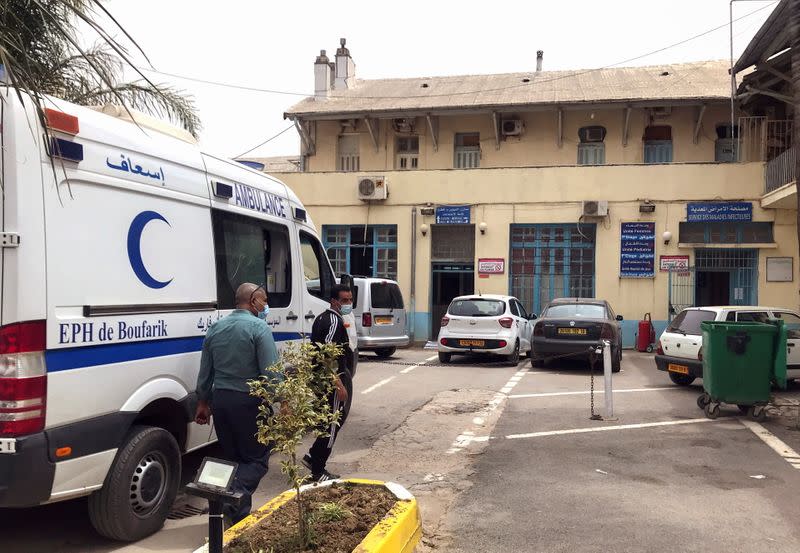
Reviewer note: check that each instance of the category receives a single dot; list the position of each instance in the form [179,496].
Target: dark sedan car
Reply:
[573,325]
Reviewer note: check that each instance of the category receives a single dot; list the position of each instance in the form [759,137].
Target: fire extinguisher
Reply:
[646,336]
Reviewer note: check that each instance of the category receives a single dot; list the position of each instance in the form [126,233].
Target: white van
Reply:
[120,247]
[380,316]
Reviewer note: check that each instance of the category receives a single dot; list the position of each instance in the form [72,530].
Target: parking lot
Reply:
[506,459]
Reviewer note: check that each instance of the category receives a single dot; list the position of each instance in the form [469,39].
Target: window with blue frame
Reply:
[551,261]
[658,144]
[362,251]
[726,233]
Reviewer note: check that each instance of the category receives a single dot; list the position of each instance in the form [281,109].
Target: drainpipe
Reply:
[413,289]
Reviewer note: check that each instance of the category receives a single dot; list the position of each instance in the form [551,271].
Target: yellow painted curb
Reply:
[399,532]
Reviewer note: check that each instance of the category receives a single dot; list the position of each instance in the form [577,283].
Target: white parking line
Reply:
[781,448]
[468,436]
[604,428]
[378,385]
[403,371]
[586,392]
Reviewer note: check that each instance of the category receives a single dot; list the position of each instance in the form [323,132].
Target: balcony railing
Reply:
[781,170]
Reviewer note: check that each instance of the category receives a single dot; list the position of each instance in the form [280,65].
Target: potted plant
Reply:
[342,515]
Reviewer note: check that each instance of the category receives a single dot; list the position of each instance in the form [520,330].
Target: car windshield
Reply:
[477,307]
[576,311]
[688,322]
[386,295]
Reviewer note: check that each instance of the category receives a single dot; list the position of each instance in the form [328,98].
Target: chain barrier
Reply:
[487,364]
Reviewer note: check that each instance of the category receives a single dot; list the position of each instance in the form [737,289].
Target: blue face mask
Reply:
[264,312]
[346,309]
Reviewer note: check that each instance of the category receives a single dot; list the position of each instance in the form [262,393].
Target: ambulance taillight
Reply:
[23,378]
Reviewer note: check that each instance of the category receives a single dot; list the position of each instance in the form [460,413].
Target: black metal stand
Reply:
[215,526]
[217,499]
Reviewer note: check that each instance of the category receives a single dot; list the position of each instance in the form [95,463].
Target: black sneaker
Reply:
[306,460]
[324,476]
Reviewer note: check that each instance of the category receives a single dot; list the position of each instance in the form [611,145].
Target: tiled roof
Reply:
[707,80]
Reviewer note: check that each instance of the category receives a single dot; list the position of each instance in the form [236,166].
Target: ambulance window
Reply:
[251,250]
[316,270]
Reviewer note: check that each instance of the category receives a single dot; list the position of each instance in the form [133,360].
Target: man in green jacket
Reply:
[236,349]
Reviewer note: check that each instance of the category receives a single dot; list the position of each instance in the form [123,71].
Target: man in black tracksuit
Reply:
[329,328]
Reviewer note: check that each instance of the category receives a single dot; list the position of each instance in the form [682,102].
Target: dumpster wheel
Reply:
[712,410]
[703,400]
[757,413]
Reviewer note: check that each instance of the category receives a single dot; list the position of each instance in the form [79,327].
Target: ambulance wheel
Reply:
[140,486]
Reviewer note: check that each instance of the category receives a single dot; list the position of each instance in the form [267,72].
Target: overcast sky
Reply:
[273,45]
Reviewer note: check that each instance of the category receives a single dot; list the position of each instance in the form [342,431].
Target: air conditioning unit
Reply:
[595,209]
[349,125]
[661,112]
[512,127]
[404,124]
[594,133]
[372,188]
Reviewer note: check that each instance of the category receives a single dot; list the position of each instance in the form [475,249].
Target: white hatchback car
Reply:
[681,345]
[485,324]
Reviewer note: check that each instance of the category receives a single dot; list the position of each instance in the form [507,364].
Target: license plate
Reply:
[383,320]
[681,369]
[8,445]
[572,331]
[472,343]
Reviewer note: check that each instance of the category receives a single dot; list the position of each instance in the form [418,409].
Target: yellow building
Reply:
[542,184]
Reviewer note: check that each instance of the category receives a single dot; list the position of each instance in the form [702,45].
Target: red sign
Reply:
[491,266]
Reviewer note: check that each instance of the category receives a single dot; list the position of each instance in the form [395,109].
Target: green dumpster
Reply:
[741,362]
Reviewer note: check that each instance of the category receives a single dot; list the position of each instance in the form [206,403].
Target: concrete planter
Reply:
[398,532]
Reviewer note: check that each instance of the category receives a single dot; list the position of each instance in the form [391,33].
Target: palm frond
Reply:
[162,100]
[43,56]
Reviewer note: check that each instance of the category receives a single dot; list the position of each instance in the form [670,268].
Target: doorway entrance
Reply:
[452,268]
[449,281]
[726,277]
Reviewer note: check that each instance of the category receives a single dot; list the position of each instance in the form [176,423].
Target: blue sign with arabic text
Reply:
[637,258]
[453,215]
[719,211]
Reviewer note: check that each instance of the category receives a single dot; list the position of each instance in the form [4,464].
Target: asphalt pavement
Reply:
[506,459]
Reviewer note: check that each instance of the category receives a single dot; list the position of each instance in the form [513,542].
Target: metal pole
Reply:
[733,76]
[609,392]
[214,526]
[413,286]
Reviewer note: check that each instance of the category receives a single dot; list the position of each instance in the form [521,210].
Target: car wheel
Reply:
[513,359]
[444,357]
[616,360]
[536,362]
[681,379]
[385,353]
[140,486]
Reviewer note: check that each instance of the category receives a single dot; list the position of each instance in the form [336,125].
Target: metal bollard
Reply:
[609,392]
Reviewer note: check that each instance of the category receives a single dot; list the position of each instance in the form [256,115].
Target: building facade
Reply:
[622,184]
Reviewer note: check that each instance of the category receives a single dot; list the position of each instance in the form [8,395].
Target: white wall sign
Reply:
[780,269]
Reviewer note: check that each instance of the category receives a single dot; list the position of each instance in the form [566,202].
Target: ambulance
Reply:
[121,244]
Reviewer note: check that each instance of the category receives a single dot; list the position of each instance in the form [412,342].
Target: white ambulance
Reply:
[121,245]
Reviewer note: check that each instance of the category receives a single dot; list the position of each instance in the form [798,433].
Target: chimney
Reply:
[345,68]
[322,76]
[539,59]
